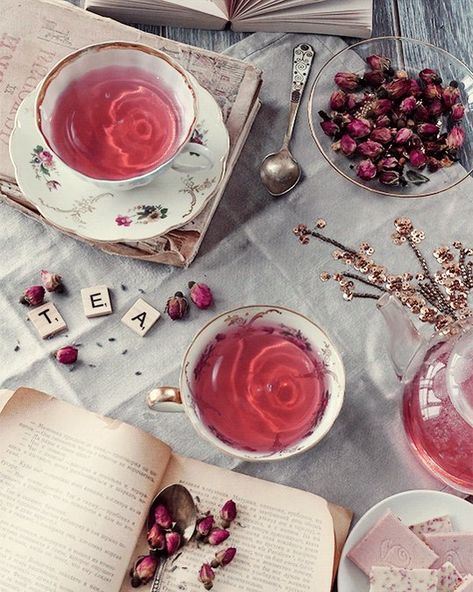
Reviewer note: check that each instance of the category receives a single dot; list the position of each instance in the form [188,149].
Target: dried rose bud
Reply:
[429,76]
[51,281]
[432,91]
[67,354]
[201,295]
[205,525]
[33,296]
[436,108]
[329,128]
[347,145]
[417,158]
[359,128]
[433,164]
[377,62]
[338,100]
[381,106]
[173,542]
[421,113]
[458,111]
[383,121]
[177,306]
[427,129]
[450,95]
[415,88]
[206,576]
[455,138]
[352,101]
[370,149]
[228,513]
[144,569]
[374,78]
[217,536]
[389,177]
[162,516]
[366,170]
[156,538]
[397,89]
[382,135]
[403,135]
[224,557]
[347,80]
[388,163]
[408,104]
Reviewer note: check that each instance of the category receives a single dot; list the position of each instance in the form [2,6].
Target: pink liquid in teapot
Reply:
[438,433]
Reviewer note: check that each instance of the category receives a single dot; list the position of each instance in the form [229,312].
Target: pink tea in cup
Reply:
[115,122]
[260,387]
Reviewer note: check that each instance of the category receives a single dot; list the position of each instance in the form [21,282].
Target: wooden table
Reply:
[445,23]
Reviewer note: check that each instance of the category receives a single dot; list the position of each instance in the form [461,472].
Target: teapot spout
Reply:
[404,340]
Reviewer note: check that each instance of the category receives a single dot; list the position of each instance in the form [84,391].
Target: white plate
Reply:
[411,507]
[76,205]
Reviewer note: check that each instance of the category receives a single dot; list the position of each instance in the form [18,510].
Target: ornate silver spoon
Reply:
[279,171]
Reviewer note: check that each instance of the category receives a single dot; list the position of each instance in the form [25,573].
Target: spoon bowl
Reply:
[280,172]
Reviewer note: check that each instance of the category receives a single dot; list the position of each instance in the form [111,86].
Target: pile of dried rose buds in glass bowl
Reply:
[391,130]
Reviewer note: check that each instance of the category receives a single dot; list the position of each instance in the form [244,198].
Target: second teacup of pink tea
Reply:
[262,383]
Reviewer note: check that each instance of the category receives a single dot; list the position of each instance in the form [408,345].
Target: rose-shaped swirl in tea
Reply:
[115,123]
[258,388]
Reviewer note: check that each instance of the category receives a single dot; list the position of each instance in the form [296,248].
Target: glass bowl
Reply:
[412,56]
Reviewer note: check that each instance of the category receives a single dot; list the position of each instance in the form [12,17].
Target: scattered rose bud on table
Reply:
[206,576]
[224,557]
[177,306]
[144,569]
[201,295]
[205,525]
[67,354]
[217,536]
[173,542]
[156,538]
[228,513]
[162,517]
[52,281]
[33,296]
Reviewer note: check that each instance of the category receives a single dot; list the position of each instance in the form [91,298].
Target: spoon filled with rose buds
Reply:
[171,524]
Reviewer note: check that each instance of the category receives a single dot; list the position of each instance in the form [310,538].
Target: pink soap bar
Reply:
[467,585]
[391,543]
[398,579]
[440,524]
[456,547]
[449,578]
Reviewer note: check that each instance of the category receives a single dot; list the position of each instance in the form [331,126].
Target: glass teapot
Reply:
[437,376]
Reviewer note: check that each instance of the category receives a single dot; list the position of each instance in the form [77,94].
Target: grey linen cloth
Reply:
[249,256]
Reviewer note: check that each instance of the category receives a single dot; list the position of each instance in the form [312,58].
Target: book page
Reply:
[74,494]
[284,537]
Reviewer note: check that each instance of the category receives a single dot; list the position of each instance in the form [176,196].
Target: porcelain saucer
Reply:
[76,205]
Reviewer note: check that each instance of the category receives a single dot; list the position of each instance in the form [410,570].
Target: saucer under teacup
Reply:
[77,205]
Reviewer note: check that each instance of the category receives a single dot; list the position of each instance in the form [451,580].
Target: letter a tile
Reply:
[141,317]
[47,320]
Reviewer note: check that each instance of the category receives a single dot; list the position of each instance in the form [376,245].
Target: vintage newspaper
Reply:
[35,35]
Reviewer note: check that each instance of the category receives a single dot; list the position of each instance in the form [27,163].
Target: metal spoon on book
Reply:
[180,503]
[279,171]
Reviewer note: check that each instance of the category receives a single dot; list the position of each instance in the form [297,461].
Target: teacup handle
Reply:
[165,398]
[205,159]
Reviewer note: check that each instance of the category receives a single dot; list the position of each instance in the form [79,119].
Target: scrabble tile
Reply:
[96,301]
[47,320]
[141,317]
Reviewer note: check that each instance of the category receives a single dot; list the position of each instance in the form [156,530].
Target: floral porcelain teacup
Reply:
[304,337]
[118,114]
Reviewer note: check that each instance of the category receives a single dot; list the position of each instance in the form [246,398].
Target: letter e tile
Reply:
[141,317]
[96,301]
[47,320]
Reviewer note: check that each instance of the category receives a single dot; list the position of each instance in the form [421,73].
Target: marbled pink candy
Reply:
[440,524]
[456,547]
[391,543]
[398,579]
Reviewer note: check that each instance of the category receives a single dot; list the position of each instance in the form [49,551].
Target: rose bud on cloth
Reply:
[156,538]
[403,135]
[144,569]
[228,513]
[177,306]
[347,145]
[417,158]
[455,138]
[359,128]
[366,170]
[450,95]
[389,177]
[67,354]
[33,296]
[383,135]
[376,62]
[205,525]
[370,149]
[329,128]
[207,576]
[224,557]
[338,100]
[429,76]
[173,542]
[408,104]
[458,111]
[201,295]
[217,536]
[51,281]
[427,129]
[347,80]
[397,89]
[162,516]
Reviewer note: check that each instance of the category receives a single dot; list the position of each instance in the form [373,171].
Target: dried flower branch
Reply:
[439,298]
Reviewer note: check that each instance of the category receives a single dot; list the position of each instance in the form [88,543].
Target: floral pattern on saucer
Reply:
[43,163]
[74,204]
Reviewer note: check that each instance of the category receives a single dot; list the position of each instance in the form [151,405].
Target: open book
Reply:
[76,488]
[334,17]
